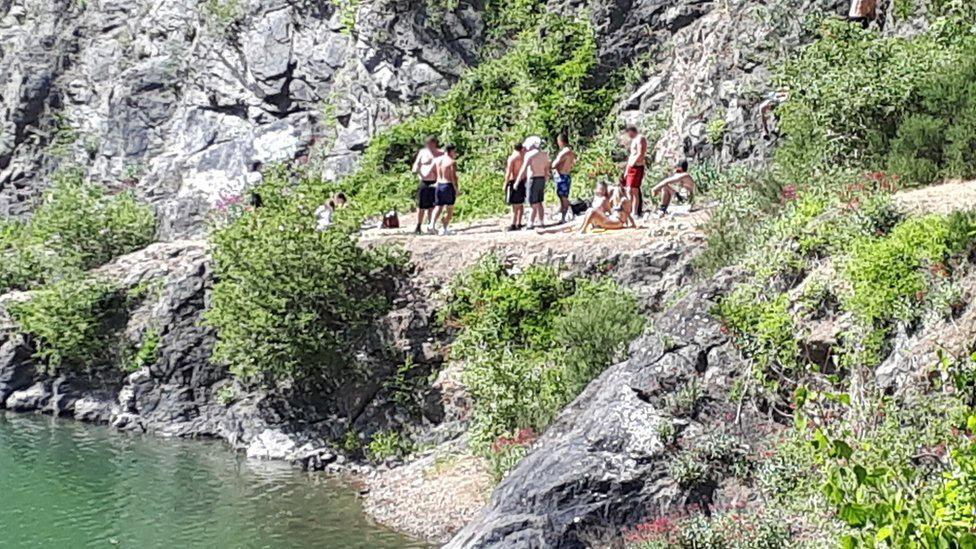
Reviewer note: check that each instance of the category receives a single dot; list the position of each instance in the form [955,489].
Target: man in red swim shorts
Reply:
[636,160]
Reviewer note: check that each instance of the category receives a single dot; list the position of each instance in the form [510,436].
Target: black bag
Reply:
[391,221]
[579,206]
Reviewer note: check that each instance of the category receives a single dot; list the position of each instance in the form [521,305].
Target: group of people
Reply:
[527,173]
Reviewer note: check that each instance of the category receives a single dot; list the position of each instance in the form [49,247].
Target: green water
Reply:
[65,484]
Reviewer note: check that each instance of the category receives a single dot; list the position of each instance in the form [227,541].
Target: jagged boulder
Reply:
[602,465]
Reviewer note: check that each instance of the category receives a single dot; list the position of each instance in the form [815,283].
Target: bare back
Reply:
[446,169]
[538,163]
[513,167]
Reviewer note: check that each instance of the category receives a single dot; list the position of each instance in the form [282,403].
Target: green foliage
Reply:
[147,353]
[727,530]
[347,14]
[888,471]
[887,275]
[69,322]
[226,395]
[77,227]
[292,301]
[896,278]
[222,15]
[862,99]
[542,85]
[763,327]
[388,444]
[716,131]
[532,342]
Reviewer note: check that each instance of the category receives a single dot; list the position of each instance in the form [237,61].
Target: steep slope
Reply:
[180,98]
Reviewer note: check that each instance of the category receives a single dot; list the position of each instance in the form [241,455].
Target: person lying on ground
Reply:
[423,166]
[535,170]
[636,166]
[670,187]
[562,167]
[515,187]
[601,214]
[446,191]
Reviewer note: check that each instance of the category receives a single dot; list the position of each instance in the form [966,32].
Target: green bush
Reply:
[763,327]
[388,444]
[888,275]
[291,301]
[532,342]
[726,530]
[76,227]
[859,98]
[70,322]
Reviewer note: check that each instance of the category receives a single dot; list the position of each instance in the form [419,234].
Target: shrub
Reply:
[77,227]
[532,342]
[730,529]
[388,444]
[70,322]
[887,275]
[859,98]
[763,327]
[146,353]
[291,301]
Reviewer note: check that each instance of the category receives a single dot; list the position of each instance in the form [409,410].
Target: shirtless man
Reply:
[423,166]
[515,187]
[669,187]
[563,166]
[446,191]
[535,170]
[636,160]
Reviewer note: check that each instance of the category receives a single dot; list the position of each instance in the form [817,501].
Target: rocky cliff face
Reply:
[180,98]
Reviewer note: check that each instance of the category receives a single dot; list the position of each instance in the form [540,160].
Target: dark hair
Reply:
[519,147]
[431,139]
[563,137]
[449,148]
[341,196]
[631,128]
[683,165]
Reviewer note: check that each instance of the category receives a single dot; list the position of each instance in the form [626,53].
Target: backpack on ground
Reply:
[579,206]
[391,221]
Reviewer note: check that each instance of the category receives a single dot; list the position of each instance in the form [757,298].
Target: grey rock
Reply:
[16,366]
[163,97]
[34,398]
[601,466]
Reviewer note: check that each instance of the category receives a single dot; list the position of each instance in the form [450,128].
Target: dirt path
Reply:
[443,256]
[953,196]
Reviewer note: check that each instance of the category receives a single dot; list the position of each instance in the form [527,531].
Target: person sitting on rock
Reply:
[671,187]
[601,214]
[515,187]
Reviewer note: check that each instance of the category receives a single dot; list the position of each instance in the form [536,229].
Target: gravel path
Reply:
[953,196]
[441,257]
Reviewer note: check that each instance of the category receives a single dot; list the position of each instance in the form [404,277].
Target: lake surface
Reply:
[67,484]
